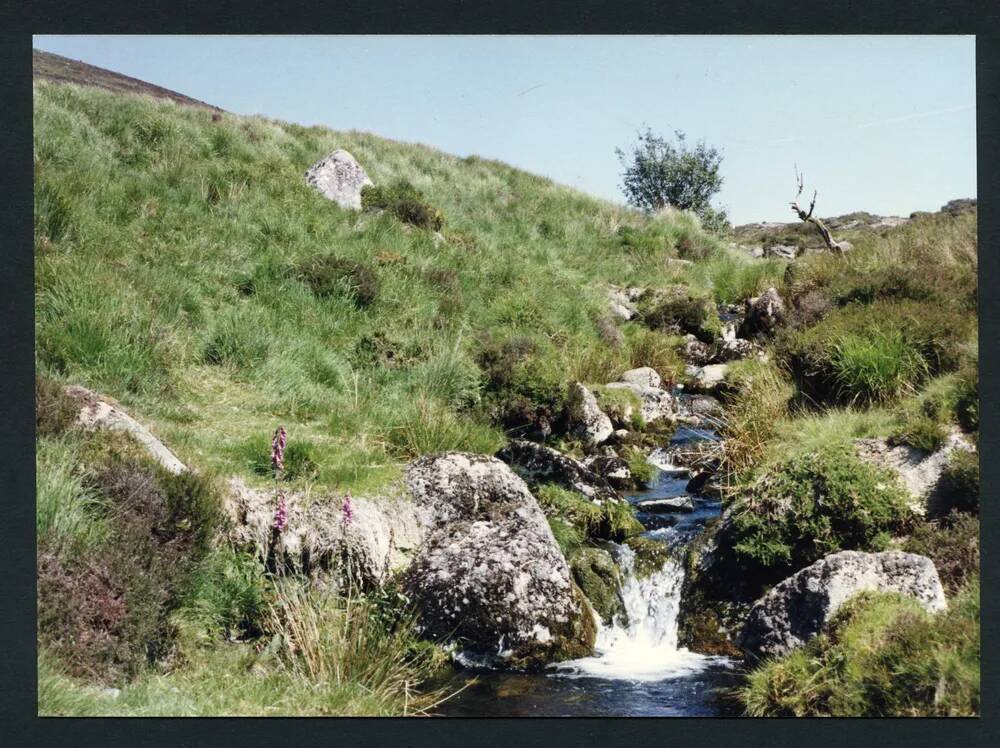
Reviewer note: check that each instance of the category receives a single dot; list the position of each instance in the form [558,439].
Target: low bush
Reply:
[237,340]
[405,202]
[952,543]
[642,472]
[881,655]
[813,504]
[329,275]
[227,596]
[612,520]
[106,610]
[678,308]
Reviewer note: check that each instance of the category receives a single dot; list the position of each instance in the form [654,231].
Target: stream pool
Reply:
[638,670]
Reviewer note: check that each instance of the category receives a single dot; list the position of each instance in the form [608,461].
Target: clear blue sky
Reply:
[884,124]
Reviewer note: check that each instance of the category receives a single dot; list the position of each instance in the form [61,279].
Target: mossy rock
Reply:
[573,640]
[599,578]
[620,405]
[650,555]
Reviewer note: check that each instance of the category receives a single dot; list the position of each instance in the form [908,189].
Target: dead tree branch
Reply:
[807,217]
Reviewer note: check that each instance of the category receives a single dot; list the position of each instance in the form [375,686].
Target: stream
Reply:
[637,670]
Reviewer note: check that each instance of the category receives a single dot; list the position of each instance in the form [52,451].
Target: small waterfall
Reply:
[646,649]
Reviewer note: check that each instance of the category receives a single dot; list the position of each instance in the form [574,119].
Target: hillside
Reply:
[58,69]
[488,382]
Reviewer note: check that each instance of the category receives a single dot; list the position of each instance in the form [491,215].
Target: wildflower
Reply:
[278,450]
[281,514]
[347,511]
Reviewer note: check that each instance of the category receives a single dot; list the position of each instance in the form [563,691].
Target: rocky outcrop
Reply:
[377,539]
[696,352]
[586,419]
[98,412]
[732,350]
[919,472]
[796,609]
[622,301]
[644,376]
[782,251]
[764,313]
[490,576]
[339,177]
[537,464]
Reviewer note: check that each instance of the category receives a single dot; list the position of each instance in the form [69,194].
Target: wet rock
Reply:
[732,350]
[684,504]
[613,469]
[599,578]
[920,472]
[339,177]
[696,352]
[538,464]
[490,576]
[98,412]
[587,421]
[796,609]
[764,314]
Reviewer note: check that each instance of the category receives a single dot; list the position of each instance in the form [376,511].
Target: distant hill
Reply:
[58,69]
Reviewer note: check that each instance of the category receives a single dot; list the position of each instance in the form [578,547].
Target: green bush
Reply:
[405,202]
[679,307]
[329,275]
[881,655]
[810,505]
[227,595]
[876,367]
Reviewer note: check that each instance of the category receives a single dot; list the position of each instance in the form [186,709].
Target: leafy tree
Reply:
[659,172]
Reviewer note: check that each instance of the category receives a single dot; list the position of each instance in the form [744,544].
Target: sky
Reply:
[879,123]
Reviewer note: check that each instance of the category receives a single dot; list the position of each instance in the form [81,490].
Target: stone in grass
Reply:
[339,177]
[796,609]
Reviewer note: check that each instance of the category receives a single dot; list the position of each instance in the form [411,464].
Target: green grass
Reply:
[184,268]
[68,511]
[881,656]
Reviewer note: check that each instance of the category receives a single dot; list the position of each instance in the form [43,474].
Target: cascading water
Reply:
[644,649]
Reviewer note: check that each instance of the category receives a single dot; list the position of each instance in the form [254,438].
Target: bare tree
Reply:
[808,217]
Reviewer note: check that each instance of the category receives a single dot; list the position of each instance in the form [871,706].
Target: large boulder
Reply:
[339,177]
[920,472]
[763,314]
[490,576]
[644,376]
[586,419]
[98,412]
[797,608]
[378,538]
[538,464]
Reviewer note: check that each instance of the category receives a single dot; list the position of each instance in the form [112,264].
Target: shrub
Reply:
[659,173]
[55,411]
[678,307]
[227,595]
[329,275]
[642,472]
[810,505]
[405,202]
[881,656]
[117,599]
[952,543]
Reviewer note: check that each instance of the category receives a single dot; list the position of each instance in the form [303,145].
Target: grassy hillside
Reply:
[171,252]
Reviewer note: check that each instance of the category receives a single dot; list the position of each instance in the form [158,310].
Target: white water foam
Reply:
[646,649]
